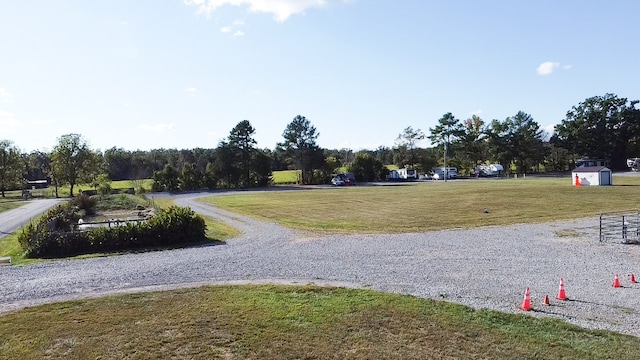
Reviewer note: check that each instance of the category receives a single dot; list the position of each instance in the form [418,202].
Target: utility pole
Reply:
[446,170]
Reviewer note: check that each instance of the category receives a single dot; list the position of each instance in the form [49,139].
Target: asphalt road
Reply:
[12,220]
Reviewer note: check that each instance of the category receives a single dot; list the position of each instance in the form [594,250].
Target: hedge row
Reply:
[52,237]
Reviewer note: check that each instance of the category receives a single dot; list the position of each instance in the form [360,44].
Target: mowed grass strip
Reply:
[433,205]
[9,204]
[285,176]
[289,322]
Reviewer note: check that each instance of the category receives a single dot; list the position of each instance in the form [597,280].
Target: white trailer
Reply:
[407,174]
[438,173]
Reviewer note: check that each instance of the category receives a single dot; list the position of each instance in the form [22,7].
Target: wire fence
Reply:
[623,226]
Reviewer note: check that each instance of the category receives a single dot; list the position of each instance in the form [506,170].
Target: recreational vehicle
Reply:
[489,170]
[402,175]
[439,173]
[408,174]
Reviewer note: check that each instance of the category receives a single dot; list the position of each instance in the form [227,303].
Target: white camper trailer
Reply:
[402,175]
[407,174]
[489,170]
[438,173]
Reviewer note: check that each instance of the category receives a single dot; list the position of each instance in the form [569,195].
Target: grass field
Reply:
[285,177]
[286,322]
[9,204]
[433,205]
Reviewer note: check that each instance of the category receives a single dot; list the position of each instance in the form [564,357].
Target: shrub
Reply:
[86,203]
[173,226]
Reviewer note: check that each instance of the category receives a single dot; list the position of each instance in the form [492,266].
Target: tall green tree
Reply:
[168,179]
[300,145]
[72,161]
[601,127]
[38,165]
[10,166]
[242,143]
[224,165]
[519,140]
[406,143]
[448,130]
[472,144]
[119,163]
[367,168]
[190,178]
[210,179]
[261,169]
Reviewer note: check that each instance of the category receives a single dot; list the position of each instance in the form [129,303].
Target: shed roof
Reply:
[582,169]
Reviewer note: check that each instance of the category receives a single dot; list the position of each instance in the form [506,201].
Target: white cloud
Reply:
[192,91]
[4,95]
[238,22]
[157,127]
[281,9]
[567,67]
[238,33]
[225,29]
[477,112]
[547,68]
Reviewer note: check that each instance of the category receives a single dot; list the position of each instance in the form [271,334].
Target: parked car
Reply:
[337,181]
[343,179]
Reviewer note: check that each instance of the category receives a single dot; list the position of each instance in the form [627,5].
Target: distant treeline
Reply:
[602,127]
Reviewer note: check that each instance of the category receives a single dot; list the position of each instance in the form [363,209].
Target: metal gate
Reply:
[623,226]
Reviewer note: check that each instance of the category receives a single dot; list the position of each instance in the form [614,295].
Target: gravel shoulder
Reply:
[486,267]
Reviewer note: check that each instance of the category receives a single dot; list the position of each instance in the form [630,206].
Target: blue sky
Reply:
[181,74]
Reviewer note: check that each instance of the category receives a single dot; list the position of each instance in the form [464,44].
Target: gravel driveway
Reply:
[487,267]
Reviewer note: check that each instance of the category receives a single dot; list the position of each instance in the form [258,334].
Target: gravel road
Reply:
[487,267]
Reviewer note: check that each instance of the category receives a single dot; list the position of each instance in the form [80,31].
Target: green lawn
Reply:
[286,177]
[286,322]
[9,204]
[433,205]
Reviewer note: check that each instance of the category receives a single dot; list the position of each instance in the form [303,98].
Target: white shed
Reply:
[591,176]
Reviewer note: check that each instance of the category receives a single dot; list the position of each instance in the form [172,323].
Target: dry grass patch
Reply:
[287,322]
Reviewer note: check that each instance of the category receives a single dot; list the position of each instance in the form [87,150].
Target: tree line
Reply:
[605,127]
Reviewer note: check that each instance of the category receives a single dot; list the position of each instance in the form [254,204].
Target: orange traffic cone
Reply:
[526,303]
[546,300]
[561,294]
[633,279]
[616,281]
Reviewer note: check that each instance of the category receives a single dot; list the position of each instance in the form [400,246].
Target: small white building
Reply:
[591,176]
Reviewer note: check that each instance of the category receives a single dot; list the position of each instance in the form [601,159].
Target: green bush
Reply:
[86,203]
[173,226]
